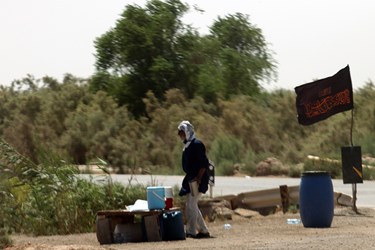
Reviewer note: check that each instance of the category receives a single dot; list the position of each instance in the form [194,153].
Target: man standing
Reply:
[195,165]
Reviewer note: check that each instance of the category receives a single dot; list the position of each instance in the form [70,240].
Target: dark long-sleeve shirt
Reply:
[194,158]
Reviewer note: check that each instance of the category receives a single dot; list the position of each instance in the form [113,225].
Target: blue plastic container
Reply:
[155,197]
[172,226]
[316,199]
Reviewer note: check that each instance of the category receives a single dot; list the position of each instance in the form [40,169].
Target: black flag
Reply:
[323,98]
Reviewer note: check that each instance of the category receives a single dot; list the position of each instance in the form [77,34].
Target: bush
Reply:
[5,240]
[67,210]
[226,152]
[295,170]
[334,168]
[225,168]
[51,198]
[368,173]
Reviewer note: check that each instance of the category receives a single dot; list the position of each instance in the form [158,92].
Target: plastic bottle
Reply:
[227,226]
[293,221]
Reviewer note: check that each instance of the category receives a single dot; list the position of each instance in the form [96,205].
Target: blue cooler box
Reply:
[155,197]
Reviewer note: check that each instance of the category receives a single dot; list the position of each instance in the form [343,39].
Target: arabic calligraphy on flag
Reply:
[323,98]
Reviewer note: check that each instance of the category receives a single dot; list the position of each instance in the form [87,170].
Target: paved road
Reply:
[236,185]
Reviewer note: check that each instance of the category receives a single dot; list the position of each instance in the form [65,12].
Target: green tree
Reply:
[152,49]
[147,50]
[243,56]
[364,118]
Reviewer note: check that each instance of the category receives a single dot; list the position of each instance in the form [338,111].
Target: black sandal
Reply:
[190,235]
[203,235]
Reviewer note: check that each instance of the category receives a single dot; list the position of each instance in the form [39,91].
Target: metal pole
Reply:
[354,185]
[354,191]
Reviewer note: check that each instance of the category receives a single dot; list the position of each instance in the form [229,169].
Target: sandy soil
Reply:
[348,231]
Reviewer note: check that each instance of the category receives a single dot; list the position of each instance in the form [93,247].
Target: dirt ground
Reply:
[348,231]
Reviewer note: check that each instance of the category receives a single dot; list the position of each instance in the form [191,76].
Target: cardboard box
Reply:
[152,227]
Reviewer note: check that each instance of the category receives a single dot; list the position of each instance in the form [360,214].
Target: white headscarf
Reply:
[188,129]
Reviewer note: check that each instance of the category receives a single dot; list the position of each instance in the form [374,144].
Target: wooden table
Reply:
[139,225]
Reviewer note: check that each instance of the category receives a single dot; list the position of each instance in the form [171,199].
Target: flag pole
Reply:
[354,185]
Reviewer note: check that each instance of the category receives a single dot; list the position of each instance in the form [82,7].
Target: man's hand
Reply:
[198,180]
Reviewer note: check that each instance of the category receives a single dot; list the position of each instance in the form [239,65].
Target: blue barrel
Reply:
[316,199]
[172,226]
